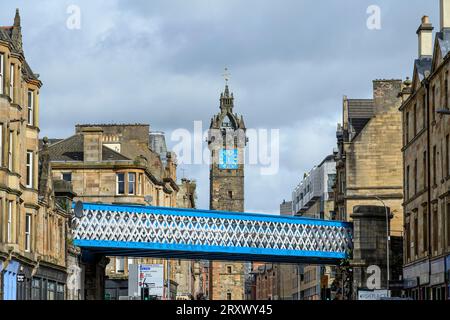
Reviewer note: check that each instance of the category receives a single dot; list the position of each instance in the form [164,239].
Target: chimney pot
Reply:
[425,34]
[445,14]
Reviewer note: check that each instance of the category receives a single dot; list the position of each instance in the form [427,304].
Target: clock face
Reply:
[229,159]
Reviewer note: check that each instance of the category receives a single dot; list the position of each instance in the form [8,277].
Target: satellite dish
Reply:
[148,199]
[78,210]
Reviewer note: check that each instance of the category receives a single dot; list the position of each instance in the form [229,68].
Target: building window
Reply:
[2,73]
[447,160]
[433,105]
[10,151]
[229,270]
[10,222]
[131,183]
[51,290]
[446,90]
[67,176]
[408,241]
[407,128]
[140,185]
[415,177]
[424,111]
[416,236]
[435,230]
[228,295]
[415,120]
[425,182]
[28,233]
[407,182]
[434,165]
[425,228]
[230,194]
[59,291]
[120,264]
[11,82]
[120,177]
[30,107]
[36,289]
[29,169]
[1,144]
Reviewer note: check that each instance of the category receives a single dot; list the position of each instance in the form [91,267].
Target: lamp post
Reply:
[388,238]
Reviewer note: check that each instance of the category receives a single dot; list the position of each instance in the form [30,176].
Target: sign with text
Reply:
[151,276]
[373,294]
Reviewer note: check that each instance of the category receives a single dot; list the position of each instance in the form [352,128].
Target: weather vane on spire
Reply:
[226,75]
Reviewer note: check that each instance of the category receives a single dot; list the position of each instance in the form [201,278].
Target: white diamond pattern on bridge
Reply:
[165,228]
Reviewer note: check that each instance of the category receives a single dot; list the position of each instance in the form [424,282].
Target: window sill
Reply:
[32,126]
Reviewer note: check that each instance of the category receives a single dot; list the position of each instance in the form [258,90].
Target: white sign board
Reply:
[151,276]
[373,294]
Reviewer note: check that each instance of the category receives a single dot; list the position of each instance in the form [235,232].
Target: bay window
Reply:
[9,226]
[28,233]
[11,82]
[120,181]
[30,107]
[29,169]
[131,183]
[10,150]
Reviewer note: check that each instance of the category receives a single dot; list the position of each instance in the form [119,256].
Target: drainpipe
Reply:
[427,89]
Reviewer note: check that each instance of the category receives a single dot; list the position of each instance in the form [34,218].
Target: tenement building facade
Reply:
[33,226]
[369,166]
[115,164]
[227,141]
[426,154]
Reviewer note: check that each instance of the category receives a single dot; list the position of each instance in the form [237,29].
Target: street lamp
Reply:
[444,111]
[387,242]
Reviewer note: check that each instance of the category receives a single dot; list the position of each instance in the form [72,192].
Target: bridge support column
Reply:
[369,248]
[94,268]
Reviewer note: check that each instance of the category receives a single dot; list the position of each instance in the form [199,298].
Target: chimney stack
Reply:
[425,33]
[92,143]
[445,14]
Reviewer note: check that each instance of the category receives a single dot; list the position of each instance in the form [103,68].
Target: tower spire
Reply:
[17,32]
[17,19]
[226,99]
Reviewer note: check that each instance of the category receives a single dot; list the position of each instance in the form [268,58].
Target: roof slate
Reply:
[71,149]
[360,111]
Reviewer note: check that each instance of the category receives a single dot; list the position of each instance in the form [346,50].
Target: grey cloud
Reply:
[160,62]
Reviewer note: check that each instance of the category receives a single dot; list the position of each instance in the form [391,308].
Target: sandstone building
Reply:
[33,224]
[369,166]
[426,154]
[227,143]
[115,164]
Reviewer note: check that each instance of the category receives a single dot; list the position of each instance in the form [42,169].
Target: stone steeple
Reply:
[16,35]
[226,100]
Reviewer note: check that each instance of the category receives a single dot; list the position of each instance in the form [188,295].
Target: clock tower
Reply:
[226,142]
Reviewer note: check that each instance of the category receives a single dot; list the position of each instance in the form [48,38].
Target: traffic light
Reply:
[145,294]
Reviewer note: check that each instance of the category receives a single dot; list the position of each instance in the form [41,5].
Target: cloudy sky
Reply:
[160,62]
